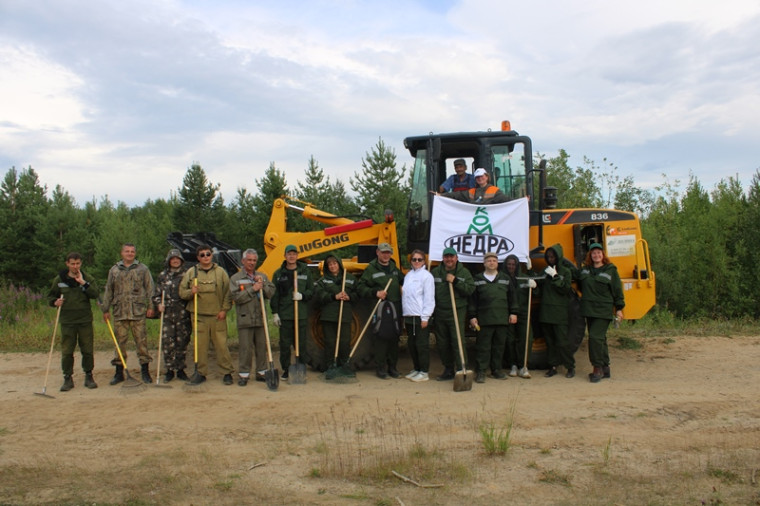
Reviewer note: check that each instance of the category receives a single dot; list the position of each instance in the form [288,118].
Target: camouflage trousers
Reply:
[121,329]
[175,336]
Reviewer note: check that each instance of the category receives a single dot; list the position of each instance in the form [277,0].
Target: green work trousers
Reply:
[558,345]
[514,351]
[330,331]
[446,341]
[288,340]
[71,335]
[598,353]
[489,347]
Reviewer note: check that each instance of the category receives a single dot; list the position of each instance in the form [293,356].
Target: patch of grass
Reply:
[315,473]
[628,343]
[554,477]
[223,486]
[545,451]
[496,440]
[606,452]
[668,340]
[4,431]
[724,475]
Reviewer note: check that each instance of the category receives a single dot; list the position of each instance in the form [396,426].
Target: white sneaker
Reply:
[412,374]
[513,371]
[421,376]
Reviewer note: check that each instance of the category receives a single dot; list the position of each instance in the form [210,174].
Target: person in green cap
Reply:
[602,300]
[283,306]
[450,272]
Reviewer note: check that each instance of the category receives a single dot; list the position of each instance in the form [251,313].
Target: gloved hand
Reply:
[297,296]
[532,283]
[528,264]
[276,320]
[551,271]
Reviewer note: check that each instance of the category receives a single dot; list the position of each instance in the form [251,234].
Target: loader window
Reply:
[419,208]
[509,170]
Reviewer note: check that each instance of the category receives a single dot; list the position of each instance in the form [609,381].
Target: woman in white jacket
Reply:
[418,302]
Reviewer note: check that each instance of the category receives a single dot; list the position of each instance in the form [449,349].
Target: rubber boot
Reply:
[145,374]
[119,376]
[68,383]
[89,381]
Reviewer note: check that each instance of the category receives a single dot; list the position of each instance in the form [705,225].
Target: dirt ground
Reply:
[678,423]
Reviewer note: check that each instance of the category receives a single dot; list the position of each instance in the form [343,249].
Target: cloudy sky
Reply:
[119,98]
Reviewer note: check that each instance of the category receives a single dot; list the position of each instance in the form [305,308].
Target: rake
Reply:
[160,342]
[50,355]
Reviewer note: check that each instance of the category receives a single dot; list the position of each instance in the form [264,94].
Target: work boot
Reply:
[606,371]
[480,377]
[182,376]
[448,374]
[596,376]
[119,376]
[551,372]
[145,374]
[499,375]
[570,373]
[169,376]
[68,383]
[393,372]
[89,381]
[227,380]
[381,373]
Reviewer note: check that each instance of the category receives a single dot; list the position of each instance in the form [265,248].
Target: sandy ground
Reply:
[678,423]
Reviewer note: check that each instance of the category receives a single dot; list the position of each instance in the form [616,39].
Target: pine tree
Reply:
[200,207]
[380,186]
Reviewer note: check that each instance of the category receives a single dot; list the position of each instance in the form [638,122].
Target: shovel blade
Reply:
[463,381]
[297,374]
[272,378]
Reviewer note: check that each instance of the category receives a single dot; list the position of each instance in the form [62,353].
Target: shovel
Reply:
[345,373]
[330,373]
[160,341]
[524,373]
[196,379]
[50,355]
[297,371]
[271,375]
[463,378]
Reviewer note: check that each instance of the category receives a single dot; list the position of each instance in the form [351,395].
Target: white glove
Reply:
[551,271]
[297,296]
[528,264]
[532,283]
[276,320]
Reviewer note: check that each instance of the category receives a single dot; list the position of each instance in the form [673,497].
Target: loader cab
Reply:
[506,156]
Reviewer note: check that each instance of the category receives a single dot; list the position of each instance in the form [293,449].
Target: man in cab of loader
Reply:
[290,275]
[372,285]
[450,272]
[483,193]
[460,181]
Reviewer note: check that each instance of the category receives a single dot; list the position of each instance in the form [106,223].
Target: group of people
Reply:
[195,301]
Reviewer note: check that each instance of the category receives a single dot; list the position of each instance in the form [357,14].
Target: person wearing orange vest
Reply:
[483,193]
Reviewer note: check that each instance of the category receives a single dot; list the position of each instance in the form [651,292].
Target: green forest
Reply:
[705,255]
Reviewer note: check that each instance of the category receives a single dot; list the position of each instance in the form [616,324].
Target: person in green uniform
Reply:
[492,307]
[283,306]
[514,351]
[329,292]
[602,299]
[71,291]
[372,285]
[553,313]
[450,272]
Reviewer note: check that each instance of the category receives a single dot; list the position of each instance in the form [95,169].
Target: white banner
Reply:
[474,230]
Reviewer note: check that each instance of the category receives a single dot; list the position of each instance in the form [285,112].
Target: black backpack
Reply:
[385,322]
